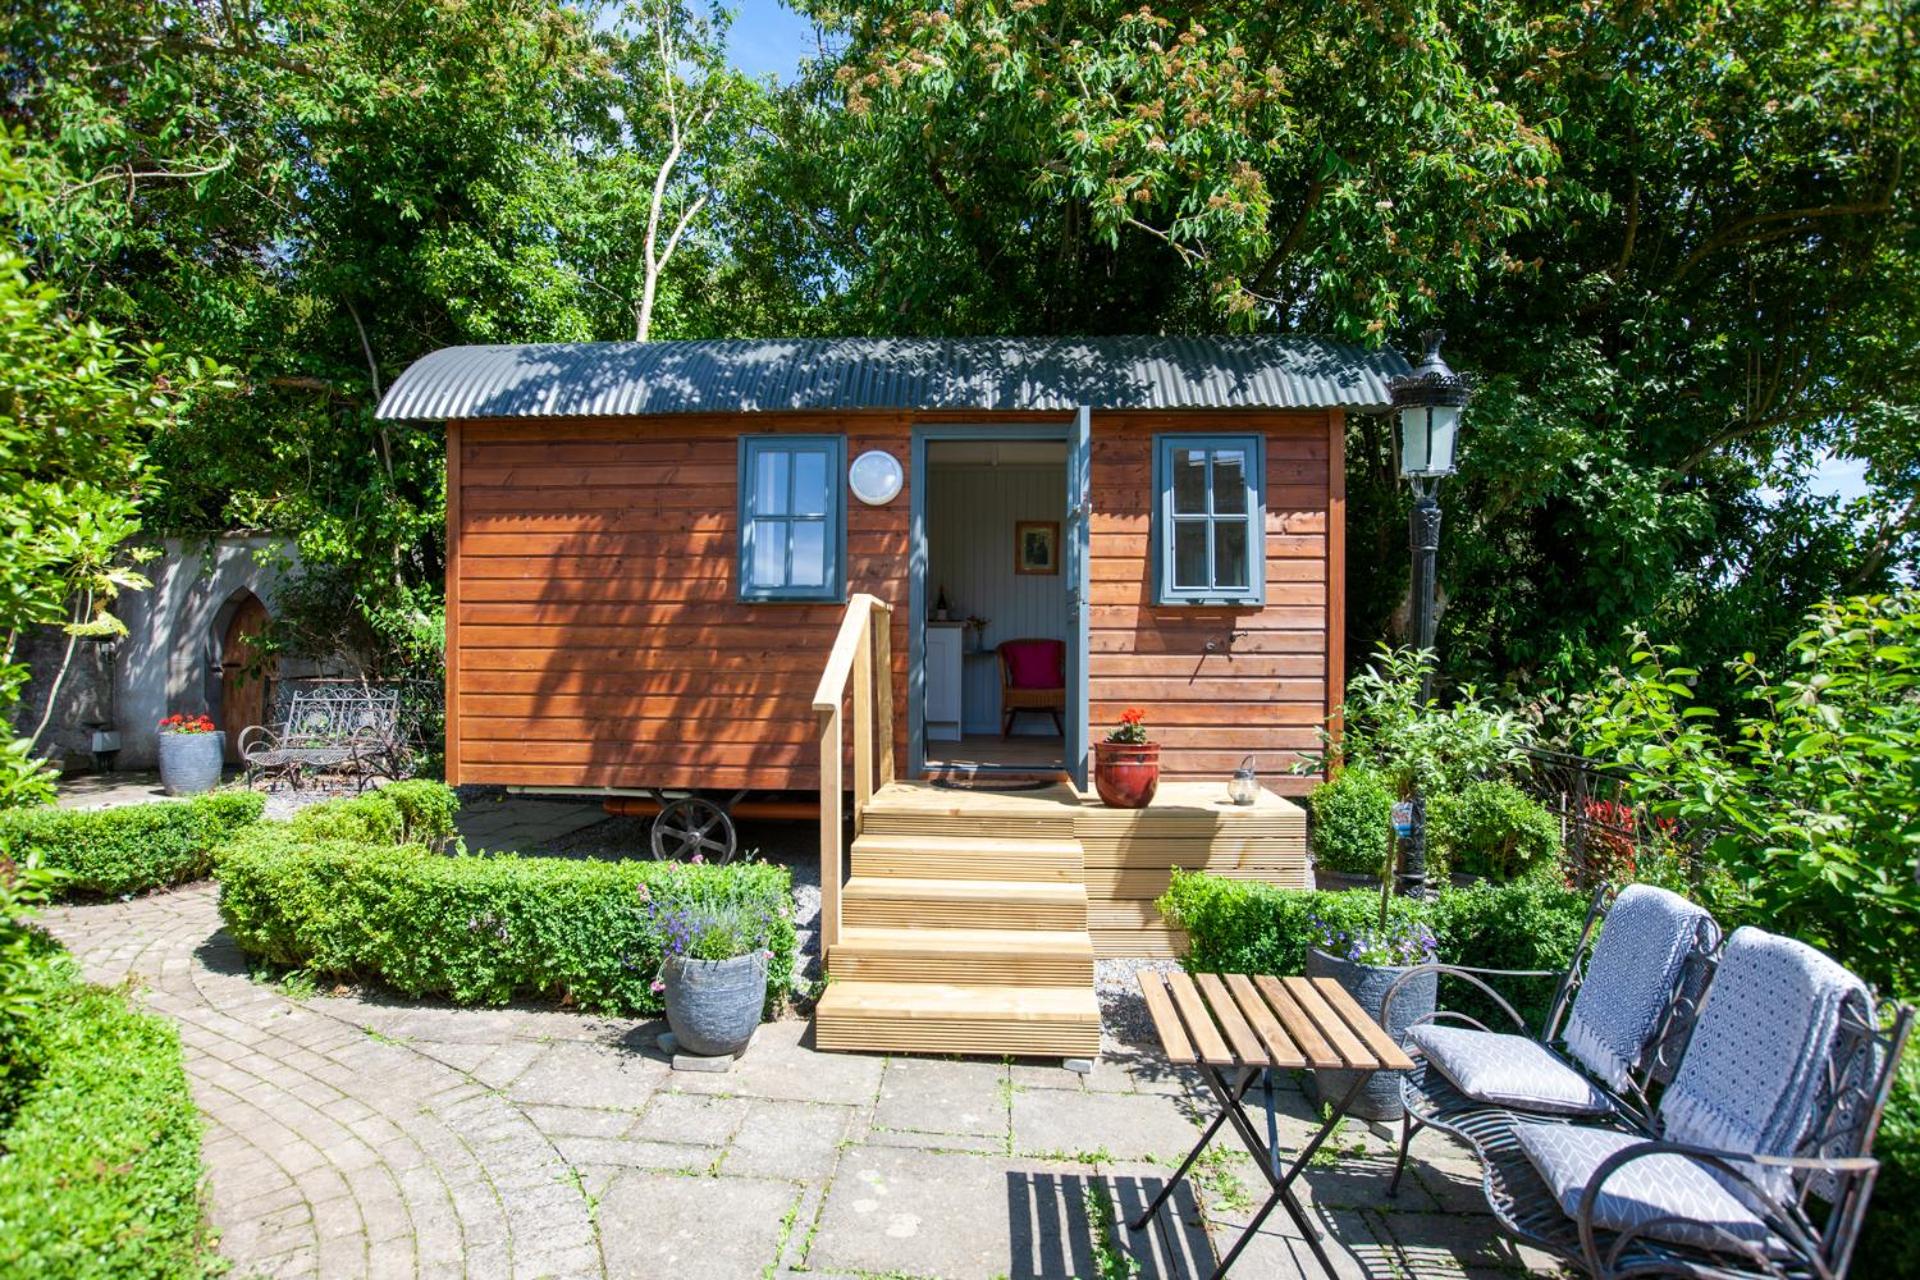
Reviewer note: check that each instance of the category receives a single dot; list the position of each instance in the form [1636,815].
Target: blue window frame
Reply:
[793,517]
[1210,519]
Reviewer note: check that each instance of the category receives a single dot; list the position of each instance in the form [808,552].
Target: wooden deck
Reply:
[972,917]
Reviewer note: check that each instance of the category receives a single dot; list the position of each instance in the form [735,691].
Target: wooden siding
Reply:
[1265,691]
[595,638]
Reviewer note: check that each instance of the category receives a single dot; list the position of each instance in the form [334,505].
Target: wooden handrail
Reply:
[862,656]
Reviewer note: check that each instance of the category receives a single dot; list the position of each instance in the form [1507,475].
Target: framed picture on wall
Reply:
[1036,546]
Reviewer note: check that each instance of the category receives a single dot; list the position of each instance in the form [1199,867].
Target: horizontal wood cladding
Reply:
[596,639]
[600,639]
[1253,681]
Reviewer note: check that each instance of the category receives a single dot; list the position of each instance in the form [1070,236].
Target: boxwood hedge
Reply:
[477,929]
[100,1163]
[1241,926]
[133,849]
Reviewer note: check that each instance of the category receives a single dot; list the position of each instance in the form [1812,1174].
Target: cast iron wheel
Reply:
[692,826]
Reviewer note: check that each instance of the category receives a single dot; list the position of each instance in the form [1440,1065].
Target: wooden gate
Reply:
[244,688]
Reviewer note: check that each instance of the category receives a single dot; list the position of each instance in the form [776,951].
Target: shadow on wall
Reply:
[171,659]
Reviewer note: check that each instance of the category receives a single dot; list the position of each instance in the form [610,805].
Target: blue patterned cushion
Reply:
[1663,1186]
[1507,1071]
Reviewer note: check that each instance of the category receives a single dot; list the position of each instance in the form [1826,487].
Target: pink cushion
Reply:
[1035,664]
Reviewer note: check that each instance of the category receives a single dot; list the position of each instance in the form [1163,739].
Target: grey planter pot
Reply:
[190,762]
[1327,881]
[1367,984]
[714,1006]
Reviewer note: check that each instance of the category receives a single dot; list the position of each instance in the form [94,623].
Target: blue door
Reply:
[1079,577]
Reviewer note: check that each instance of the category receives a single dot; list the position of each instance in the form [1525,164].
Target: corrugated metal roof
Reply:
[774,374]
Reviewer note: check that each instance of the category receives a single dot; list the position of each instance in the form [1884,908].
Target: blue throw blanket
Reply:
[1630,979]
[1753,1069]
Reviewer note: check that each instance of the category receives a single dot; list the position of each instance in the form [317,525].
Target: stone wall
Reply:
[168,662]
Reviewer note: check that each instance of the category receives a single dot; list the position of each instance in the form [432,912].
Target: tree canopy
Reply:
[1674,244]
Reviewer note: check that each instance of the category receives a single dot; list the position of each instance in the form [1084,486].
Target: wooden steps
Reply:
[964,929]
[1009,957]
[967,858]
[933,1017]
[900,902]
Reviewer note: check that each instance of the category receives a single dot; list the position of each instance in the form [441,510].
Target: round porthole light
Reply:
[876,477]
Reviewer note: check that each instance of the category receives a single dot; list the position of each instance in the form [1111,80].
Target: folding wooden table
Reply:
[1237,1029]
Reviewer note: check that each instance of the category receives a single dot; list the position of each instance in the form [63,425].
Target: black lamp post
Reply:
[1429,402]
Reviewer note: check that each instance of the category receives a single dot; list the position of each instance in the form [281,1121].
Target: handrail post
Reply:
[829,834]
[883,689]
[863,723]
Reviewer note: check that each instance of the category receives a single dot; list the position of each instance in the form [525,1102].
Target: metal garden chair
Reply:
[1468,1077]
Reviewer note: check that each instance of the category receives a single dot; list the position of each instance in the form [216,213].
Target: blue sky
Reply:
[769,38]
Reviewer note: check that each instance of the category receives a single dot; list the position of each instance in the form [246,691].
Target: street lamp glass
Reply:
[1427,434]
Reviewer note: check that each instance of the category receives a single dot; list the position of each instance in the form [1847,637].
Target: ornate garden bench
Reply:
[1706,1153]
[350,732]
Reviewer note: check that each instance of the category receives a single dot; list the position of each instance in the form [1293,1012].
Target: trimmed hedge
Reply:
[1493,829]
[100,1165]
[413,812]
[476,929]
[114,852]
[1242,926]
[1352,821]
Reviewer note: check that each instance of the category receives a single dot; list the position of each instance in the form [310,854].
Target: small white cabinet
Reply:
[943,686]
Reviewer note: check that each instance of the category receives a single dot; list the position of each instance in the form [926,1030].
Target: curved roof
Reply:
[774,374]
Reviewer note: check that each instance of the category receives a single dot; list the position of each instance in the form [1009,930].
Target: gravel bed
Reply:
[1123,1012]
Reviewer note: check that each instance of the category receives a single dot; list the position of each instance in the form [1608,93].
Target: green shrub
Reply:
[413,812]
[1241,926]
[100,1165]
[1893,1220]
[1492,829]
[132,849]
[1351,821]
[31,965]
[477,929]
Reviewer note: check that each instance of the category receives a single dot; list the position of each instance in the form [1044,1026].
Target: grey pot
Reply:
[1367,984]
[714,1006]
[190,762]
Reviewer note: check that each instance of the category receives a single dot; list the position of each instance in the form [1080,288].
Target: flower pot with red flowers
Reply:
[1126,767]
[192,749]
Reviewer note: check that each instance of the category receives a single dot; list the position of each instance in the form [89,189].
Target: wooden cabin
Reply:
[689,565]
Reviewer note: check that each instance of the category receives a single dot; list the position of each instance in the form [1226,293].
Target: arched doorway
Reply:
[245,686]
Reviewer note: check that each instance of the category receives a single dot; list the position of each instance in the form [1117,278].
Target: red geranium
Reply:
[188,724]
[1131,729]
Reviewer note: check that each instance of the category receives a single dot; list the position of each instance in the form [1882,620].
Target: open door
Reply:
[1078,539]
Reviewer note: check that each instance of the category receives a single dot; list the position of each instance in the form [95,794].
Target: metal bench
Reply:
[1656,1203]
[349,732]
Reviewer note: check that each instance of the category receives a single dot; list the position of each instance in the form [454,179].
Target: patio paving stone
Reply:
[359,1133]
[937,1095]
[714,1228]
[1115,1126]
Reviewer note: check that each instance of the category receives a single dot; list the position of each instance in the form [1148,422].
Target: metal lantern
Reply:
[1428,402]
[1244,787]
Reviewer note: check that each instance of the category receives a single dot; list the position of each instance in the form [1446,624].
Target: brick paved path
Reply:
[350,1135]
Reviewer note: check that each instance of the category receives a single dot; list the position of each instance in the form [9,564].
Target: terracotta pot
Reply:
[1126,774]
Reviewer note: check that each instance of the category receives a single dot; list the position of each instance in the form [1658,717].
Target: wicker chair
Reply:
[1033,677]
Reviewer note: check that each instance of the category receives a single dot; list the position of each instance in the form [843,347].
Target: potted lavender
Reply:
[713,968]
[1366,961]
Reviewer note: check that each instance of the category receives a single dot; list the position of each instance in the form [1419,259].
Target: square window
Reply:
[793,528]
[1209,519]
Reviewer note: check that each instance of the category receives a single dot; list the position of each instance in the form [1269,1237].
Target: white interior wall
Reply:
[972,508]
